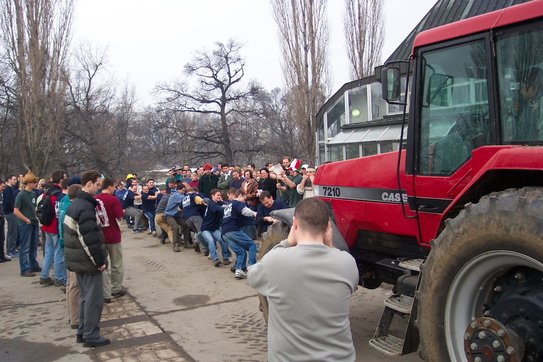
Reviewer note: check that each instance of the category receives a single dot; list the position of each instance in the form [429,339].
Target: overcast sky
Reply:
[148,42]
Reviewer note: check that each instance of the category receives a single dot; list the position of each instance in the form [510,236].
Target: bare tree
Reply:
[9,127]
[219,75]
[35,36]
[280,135]
[364,35]
[92,138]
[304,41]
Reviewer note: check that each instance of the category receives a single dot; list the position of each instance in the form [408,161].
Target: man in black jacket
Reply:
[9,193]
[87,261]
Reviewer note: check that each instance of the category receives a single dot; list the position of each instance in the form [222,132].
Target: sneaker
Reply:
[28,274]
[137,231]
[240,274]
[226,261]
[163,241]
[206,252]
[79,337]
[118,294]
[12,256]
[233,268]
[176,248]
[217,263]
[155,234]
[58,283]
[8,257]
[46,282]
[107,300]
[97,343]
[37,269]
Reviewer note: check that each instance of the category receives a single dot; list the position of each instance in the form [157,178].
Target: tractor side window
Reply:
[454,107]
[520,75]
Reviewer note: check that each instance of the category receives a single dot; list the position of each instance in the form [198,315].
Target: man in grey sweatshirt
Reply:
[308,284]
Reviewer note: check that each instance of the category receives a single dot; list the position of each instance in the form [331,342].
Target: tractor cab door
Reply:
[470,93]
[452,118]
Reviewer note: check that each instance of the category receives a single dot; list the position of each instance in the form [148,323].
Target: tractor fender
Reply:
[285,216]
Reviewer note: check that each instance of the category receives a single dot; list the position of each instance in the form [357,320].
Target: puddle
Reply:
[191,300]
[17,349]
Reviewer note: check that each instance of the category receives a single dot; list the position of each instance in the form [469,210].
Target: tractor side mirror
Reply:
[391,84]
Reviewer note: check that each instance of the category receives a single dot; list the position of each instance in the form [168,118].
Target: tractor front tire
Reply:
[473,272]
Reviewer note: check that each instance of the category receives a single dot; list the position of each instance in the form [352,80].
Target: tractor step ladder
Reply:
[404,306]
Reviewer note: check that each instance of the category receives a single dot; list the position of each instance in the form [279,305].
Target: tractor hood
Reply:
[371,172]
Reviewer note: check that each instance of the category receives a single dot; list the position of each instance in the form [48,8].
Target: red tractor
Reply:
[461,205]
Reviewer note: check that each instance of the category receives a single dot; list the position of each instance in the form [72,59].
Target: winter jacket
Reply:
[9,199]
[84,248]
[206,183]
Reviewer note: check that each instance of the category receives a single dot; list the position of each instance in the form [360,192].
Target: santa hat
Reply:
[295,165]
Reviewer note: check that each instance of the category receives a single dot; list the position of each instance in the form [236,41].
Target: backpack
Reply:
[46,209]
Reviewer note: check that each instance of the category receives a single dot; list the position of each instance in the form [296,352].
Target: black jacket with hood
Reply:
[84,248]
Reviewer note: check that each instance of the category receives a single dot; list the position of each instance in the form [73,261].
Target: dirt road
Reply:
[179,308]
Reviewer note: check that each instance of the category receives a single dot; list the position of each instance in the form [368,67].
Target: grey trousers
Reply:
[91,303]
[136,214]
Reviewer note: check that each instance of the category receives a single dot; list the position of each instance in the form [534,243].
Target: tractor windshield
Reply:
[519,56]
[455,108]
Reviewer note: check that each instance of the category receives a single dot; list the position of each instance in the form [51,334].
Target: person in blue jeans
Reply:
[239,242]
[53,253]
[27,226]
[211,228]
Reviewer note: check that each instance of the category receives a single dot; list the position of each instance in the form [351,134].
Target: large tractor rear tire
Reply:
[275,234]
[481,293]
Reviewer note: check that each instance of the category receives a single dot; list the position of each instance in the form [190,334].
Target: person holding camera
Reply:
[308,284]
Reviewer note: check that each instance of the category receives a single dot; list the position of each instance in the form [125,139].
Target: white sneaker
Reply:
[7,256]
[240,274]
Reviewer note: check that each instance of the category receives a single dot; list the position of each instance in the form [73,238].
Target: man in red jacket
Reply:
[108,211]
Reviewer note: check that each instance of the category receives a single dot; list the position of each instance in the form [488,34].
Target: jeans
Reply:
[210,238]
[250,230]
[2,237]
[28,247]
[239,242]
[150,215]
[11,237]
[53,254]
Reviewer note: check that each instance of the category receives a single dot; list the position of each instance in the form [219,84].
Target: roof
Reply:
[485,22]
[446,12]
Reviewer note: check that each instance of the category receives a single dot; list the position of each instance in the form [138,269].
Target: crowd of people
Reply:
[206,208]
[216,210]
